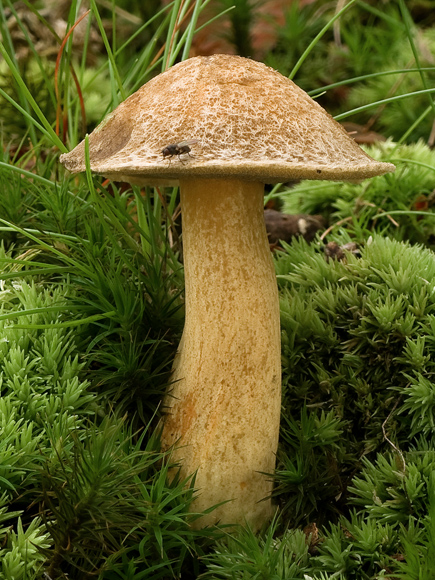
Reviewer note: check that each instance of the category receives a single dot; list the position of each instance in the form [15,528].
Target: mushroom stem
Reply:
[224,408]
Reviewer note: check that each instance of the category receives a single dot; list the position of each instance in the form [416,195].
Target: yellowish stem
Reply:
[224,407]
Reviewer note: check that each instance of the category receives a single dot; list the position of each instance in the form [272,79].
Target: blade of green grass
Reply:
[42,69]
[41,243]
[226,11]
[318,37]
[171,34]
[35,272]
[26,114]
[381,102]
[71,323]
[381,14]
[411,128]
[143,224]
[112,62]
[10,50]
[29,174]
[49,131]
[409,25]
[316,92]
[413,162]
[191,28]
[42,310]
[101,205]
[142,66]
[405,212]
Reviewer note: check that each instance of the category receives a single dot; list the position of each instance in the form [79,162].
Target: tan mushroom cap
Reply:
[250,121]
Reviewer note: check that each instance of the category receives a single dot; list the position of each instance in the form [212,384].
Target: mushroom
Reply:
[245,125]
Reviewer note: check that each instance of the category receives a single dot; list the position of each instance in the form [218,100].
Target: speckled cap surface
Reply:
[249,121]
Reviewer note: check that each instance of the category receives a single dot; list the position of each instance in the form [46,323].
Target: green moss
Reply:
[358,357]
[358,207]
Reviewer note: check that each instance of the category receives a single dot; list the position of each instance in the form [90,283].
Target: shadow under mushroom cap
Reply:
[250,121]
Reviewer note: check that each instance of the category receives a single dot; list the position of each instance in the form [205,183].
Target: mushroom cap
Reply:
[250,122]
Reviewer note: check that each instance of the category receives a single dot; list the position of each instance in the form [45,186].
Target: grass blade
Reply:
[317,38]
